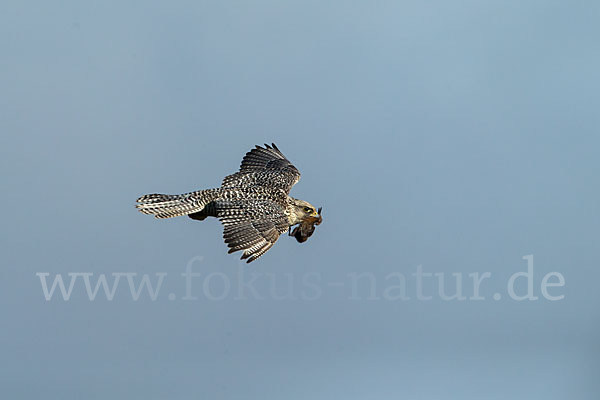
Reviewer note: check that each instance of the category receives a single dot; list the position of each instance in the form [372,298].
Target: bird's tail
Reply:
[174,205]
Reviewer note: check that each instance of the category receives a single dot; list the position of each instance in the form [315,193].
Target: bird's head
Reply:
[303,210]
[307,217]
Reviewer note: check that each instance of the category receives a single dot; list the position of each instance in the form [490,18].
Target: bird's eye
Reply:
[308,209]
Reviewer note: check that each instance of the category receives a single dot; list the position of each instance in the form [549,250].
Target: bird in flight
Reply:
[253,204]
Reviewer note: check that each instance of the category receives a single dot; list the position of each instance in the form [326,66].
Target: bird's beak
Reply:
[315,213]
[318,216]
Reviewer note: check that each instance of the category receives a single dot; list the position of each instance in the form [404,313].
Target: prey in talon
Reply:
[306,228]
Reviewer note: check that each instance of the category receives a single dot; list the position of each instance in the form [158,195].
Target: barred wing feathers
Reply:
[266,167]
[251,225]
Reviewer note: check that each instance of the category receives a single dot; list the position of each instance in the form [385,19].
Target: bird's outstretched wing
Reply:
[251,225]
[266,167]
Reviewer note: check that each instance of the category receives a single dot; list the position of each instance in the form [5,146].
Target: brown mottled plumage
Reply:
[253,204]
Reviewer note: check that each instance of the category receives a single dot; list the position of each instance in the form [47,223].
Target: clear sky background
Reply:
[460,136]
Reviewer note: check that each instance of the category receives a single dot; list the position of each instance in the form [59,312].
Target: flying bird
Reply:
[253,204]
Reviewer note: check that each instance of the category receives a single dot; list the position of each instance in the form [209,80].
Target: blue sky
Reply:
[455,136]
